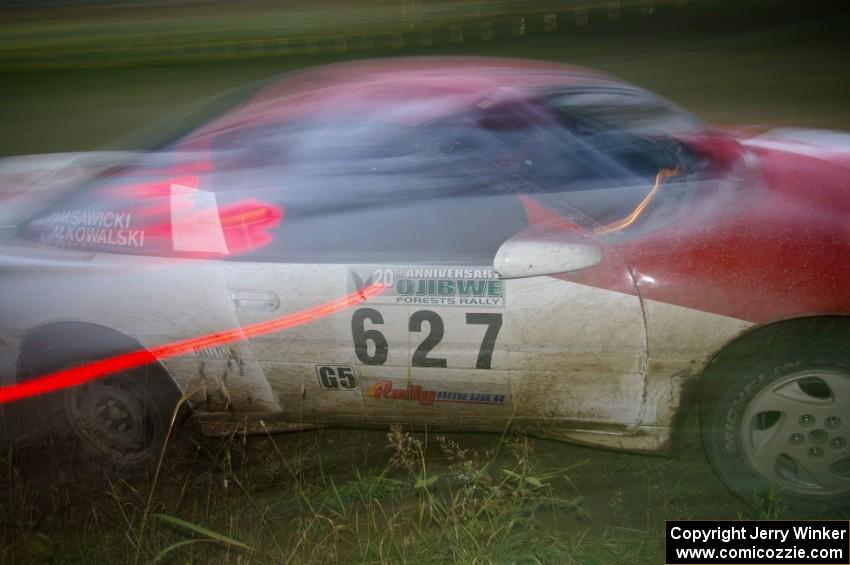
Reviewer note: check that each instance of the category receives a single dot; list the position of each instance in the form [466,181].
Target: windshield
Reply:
[624,110]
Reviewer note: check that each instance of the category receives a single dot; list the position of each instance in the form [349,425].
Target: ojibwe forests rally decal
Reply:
[432,286]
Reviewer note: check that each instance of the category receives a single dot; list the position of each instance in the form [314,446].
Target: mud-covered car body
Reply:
[541,245]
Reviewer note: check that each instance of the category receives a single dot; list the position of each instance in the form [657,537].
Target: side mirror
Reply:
[537,252]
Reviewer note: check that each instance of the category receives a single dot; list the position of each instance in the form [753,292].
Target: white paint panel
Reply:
[681,341]
[195,221]
[153,300]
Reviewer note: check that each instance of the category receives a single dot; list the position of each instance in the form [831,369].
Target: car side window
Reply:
[578,153]
[637,133]
[334,193]
[520,147]
[366,192]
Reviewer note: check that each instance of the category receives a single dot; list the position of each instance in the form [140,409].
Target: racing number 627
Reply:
[363,337]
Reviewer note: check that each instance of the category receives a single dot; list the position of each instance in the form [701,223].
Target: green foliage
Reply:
[202,531]
[772,507]
[352,496]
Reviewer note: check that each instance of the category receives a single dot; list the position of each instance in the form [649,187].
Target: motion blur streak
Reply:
[81,374]
[630,219]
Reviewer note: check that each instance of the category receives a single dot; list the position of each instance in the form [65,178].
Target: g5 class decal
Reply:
[336,377]
[435,286]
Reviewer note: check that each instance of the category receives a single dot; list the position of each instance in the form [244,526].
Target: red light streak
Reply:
[94,370]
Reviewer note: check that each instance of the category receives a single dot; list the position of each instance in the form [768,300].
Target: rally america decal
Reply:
[432,286]
[387,390]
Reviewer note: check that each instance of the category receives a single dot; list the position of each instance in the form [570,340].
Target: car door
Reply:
[447,341]
[410,350]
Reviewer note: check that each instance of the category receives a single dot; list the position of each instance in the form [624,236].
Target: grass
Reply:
[349,496]
[357,496]
[97,34]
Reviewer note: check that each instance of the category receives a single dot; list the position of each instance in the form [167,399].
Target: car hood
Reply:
[823,145]
[769,245]
[806,172]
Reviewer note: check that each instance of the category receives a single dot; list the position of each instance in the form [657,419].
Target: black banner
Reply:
[758,542]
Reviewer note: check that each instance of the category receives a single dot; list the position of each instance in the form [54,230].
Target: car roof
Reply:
[407,91]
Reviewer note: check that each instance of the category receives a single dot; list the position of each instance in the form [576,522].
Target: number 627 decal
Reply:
[363,337]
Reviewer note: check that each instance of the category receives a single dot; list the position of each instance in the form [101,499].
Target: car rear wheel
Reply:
[120,422]
[780,425]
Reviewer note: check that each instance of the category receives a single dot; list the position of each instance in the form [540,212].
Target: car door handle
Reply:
[251,299]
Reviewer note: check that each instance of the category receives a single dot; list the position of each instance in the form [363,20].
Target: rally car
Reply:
[450,243]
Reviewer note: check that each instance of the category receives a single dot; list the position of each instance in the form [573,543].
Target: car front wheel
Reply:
[780,424]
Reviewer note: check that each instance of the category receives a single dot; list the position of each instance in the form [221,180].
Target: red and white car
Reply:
[455,243]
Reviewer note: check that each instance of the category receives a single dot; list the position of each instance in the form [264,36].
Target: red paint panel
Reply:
[774,246]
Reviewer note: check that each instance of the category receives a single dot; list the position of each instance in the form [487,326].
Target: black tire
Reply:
[139,403]
[120,422]
[775,418]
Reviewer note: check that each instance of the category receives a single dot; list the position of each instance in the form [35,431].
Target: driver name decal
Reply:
[433,286]
[79,227]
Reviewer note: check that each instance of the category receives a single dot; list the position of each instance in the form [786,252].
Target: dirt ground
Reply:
[600,506]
